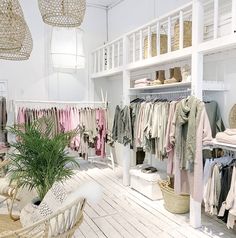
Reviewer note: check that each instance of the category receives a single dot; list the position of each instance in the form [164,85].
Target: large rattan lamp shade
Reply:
[62,13]
[24,52]
[12,26]
[15,38]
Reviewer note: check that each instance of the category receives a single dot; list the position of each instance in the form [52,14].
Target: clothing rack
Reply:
[169,95]
[61,103]
[167,92]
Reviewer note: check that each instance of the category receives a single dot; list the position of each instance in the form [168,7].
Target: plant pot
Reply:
[36,202]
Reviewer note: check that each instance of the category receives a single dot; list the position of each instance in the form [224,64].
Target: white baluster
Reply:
[103,59]
[140,44]
[169,34]
[113,56]
[216,18]
[158,38]
[108,57]
[134,46]
[181,30]
[118,54]
[149,42]
[99,60]
[95,62]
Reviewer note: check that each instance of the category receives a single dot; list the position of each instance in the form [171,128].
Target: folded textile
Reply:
[144,80]
[140,85]
[226,137]
[230,132]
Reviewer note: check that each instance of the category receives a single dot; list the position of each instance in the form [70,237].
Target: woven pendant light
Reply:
[24,52]
[12,26]
[62,13]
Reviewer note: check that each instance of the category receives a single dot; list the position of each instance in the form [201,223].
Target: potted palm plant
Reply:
[40,157]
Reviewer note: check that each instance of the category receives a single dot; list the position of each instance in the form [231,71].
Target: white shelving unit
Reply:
[162,87]
[126,54]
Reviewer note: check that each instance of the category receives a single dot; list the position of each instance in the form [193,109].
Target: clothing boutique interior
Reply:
[118,118]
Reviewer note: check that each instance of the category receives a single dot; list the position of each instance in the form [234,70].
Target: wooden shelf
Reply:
[163,86]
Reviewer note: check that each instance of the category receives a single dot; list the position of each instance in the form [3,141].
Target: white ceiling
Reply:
[102,2]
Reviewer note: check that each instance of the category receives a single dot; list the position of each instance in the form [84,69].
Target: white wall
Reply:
[34,78]
[131,14]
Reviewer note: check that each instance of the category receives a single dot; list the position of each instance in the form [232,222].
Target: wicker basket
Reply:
[163,45]
[232,117]
[187,35]
[174,203]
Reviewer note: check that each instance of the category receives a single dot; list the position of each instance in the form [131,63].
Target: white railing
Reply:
[168,33]
[108,57]
[163,35]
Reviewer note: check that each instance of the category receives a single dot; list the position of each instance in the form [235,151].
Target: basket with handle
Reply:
[174,203]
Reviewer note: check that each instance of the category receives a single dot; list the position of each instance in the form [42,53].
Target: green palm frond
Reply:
[41,158]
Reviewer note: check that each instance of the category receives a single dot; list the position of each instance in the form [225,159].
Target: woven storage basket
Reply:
[232,117]
[163,45]
[187,35]
[174,203]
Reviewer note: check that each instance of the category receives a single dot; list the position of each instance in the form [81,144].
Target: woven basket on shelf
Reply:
[232,117]
[163,45]
[174,203]
[187,35]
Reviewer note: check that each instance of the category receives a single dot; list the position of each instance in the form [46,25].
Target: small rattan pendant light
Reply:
[15,38]
[62,13]
[12,26]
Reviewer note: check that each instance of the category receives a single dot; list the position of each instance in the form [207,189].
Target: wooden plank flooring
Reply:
[126,213]
[123,212]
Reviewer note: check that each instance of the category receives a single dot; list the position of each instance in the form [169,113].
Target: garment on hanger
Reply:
[92,124]
[230,202]
[187,181]
[3,121]
[215,119]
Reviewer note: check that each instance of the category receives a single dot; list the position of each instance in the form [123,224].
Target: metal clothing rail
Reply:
[60,102]
[163,93]
[45,104]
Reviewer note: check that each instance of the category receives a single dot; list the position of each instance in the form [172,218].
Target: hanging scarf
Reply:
[186,127]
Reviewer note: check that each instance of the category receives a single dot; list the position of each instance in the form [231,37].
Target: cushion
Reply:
[59,196]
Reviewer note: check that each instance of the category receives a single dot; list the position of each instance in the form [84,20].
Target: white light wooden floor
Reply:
[124,212]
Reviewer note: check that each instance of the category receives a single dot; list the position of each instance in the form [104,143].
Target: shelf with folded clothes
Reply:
[216,144]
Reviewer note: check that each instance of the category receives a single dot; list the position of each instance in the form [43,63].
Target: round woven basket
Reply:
[174,203]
